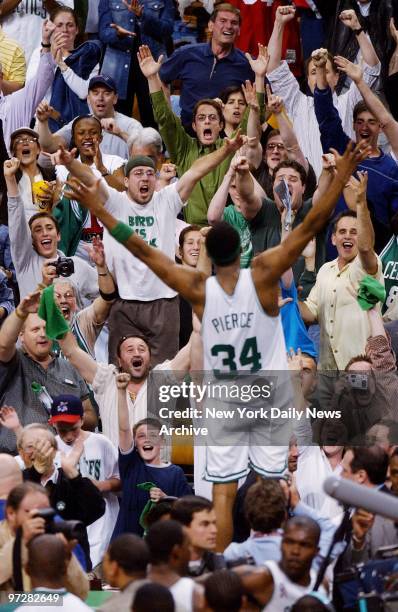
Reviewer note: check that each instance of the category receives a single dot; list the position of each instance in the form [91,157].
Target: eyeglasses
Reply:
[139,173]
[213,118]
[19,141]
[272,146]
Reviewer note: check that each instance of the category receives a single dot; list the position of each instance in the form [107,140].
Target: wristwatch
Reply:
[358,32]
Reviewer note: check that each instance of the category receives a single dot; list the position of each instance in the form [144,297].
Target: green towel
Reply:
[370,292]
[146,486]
[56,326]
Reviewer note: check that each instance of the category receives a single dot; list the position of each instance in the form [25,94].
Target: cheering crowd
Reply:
[198,306]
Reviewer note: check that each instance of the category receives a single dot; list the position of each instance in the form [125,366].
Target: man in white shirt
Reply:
[102,98]
[147,306]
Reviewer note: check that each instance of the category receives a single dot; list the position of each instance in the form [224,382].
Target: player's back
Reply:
[237,333]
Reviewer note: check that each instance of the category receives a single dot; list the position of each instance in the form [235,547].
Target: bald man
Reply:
[48,558]
[10,477]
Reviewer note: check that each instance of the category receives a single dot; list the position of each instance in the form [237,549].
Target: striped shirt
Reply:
[12,59]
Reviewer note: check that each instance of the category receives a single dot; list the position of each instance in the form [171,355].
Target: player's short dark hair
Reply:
[341,215]
[372,459]
[42,215]
[209,102]
[224,591]
[305,522]
[123,338]
[185,231]
[158,511]
[228,91]
[294,165]
[161,539]
[184,508]
[265,506]
[153,597]
[154,423]
[223,244]
[130,552]
[227,8]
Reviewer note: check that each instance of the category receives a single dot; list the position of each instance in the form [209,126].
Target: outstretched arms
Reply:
[189,282]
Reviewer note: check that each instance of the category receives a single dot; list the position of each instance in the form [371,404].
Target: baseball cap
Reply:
[66,408]
[22,130]
[102,79]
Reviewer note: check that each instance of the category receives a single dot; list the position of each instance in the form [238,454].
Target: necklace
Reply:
[133,395]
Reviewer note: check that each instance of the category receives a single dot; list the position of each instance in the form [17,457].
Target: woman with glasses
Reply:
[75,67]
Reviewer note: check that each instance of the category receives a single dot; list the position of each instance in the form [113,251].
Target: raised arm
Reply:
[82,361]
[12,326]
[350,20]
[207,163]
[189,282]
[276,106]
[366,235]
[374,104]
[283,15]
[49,142]
[106,284]
[126,438]
[325,180]
[217,205]
[249,199]
[275,261]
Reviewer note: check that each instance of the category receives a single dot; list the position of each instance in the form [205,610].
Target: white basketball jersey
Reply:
[286,592]
[237,334]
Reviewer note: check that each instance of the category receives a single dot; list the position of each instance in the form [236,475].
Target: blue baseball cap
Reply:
[102,79]
[66,408]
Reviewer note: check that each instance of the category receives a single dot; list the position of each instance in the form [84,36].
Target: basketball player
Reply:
[238,308]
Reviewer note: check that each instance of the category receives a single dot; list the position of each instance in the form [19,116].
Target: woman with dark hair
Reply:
[233,107]
[75,67]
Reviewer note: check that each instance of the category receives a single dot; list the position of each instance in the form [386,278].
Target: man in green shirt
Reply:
[184,149]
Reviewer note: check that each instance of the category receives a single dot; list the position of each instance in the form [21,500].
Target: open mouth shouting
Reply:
[208,135]
[87,145]
[347,246]
[46,245]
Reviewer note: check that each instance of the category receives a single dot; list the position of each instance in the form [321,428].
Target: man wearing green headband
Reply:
[147,306]
[241,328]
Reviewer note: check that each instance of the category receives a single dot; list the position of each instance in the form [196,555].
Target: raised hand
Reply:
[274,103]
[156,494]
[284,14]
[147,64]
[134,6]
[44,456]
[353,155]
[29,304]
[235,143]
[320,57]
[9,418]
[58,40]
[167,172]
[310,250]
[240,164]
[11,166]
[249,91]
[90,197]
[96,252]
[62,157]
[259,65]
[354,71]
[47,31]
[295,360]
[350,19]
[122,380]
[328,162]
[44,111]
[110,125]
[355,190]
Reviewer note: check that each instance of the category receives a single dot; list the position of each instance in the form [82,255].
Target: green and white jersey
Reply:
[389,259]
[237,334]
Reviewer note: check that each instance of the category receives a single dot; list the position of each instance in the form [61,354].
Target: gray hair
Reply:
[145,137]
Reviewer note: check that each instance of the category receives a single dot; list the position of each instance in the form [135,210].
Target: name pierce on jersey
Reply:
[234,320]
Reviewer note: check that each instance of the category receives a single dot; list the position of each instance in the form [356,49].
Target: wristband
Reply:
[46,46]
[109,297]
[103,273]
[121,232]
[358,32]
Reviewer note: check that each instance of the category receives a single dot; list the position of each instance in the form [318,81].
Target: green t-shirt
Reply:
[237,220]
[389,259]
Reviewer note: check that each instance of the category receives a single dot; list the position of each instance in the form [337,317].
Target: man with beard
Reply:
[134,358]
[279,584]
